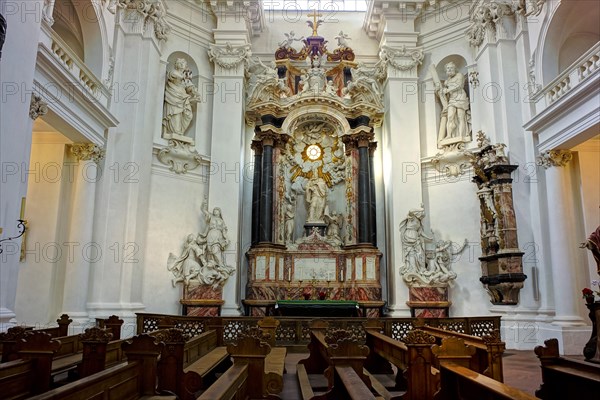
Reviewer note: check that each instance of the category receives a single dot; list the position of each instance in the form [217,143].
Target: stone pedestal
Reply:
[429,301]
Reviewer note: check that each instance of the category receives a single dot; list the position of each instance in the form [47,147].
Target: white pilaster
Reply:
[21,45]
[229,54]
[123,193]
[401,147]
[77,268]
[563,237]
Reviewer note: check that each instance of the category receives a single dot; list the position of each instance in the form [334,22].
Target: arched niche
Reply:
[193,67]
[570,31]
[461,67]
[80,24]
[316,112]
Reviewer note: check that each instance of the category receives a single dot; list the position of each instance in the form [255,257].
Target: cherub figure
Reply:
[289,40]
[342,39]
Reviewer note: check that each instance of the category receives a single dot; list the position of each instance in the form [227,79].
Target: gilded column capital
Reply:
[554,158]
[88,151]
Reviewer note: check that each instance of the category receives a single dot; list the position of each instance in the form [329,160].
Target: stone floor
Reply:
[521,370]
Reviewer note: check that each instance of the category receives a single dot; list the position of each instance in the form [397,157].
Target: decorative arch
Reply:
[81,24]
[566,34]
[316,112]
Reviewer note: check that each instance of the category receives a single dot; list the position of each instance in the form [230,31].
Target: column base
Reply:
[398,311]
[231,310]
[7,319]
[125,311]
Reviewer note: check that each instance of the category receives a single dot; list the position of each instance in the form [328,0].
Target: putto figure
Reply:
[180,94]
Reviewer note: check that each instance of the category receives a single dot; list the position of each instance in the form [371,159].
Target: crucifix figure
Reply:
[314,24]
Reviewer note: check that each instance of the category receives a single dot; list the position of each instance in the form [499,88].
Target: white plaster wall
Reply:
[454,215]
[47,200]
[174,212]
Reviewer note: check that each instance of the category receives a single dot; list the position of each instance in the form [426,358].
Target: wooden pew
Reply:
[458,381]
[563,378]
[329,349]
[487,359]
[112,324]
[132,380]
[186,367]
[413,358]
[247,377]
[30,374]
[9,339]
[275,360]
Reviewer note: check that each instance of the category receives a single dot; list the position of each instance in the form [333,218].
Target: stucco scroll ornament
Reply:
[409,58]
[180,156]
[151,11]
[485,19]
[88,151]
[228,56]
[554,158]
[37,107]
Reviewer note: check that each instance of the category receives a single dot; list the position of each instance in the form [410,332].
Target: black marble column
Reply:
[364,193]
[372,203]
[266,193]
[257,147]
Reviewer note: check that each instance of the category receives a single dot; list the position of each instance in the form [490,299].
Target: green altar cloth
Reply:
[317,308]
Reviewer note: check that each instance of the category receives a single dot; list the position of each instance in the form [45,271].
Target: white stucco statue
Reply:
[413,242]
[316,197]
[334,223]
[180,94]
[289,215]
[187,266]
[216,235]
[456,105]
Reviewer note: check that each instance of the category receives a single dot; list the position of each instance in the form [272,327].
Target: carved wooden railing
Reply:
[584,67]
[295,331]
[52,46]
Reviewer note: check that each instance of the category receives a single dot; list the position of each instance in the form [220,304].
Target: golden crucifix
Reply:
[314,24]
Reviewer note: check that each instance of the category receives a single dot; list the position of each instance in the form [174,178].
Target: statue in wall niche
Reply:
[316,197]
[413,242]
[180,94]
[455,117]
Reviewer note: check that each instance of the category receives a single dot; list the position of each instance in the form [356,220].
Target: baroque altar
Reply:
[313,209]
